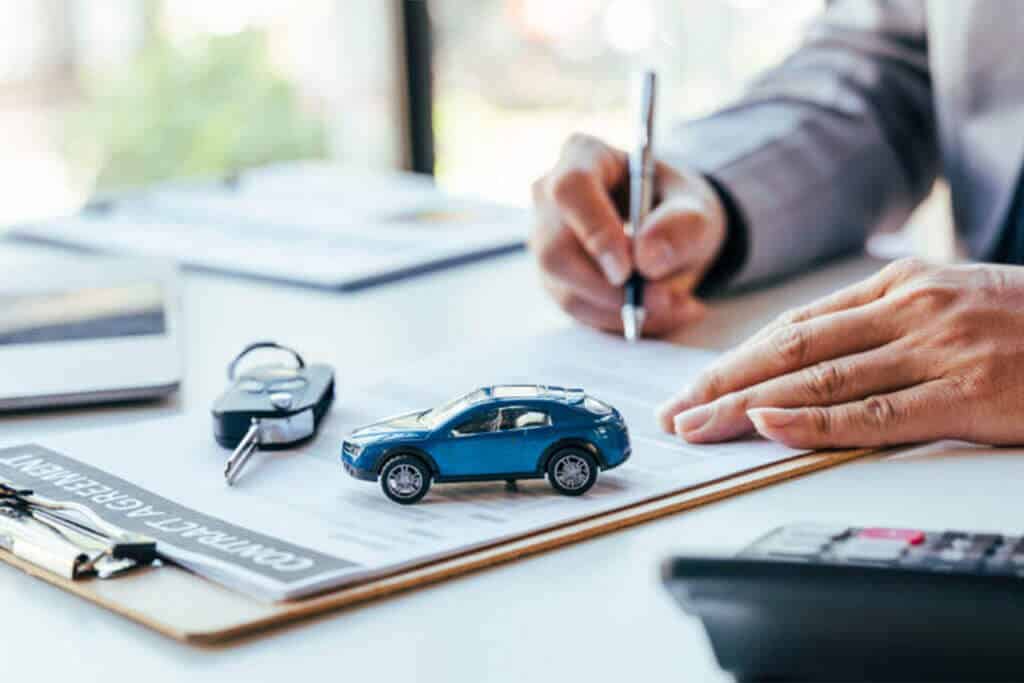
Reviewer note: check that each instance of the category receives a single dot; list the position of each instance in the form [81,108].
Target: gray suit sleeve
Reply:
[835,142]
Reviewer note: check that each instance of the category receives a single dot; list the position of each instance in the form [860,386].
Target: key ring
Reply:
[233,365]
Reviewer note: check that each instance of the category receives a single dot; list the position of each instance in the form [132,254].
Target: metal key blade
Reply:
[249,443]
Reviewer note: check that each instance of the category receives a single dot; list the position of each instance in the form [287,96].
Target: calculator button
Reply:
[967,565]
[985,542]
[874,549]
[999,563]
[911,536]
[809,530]
[950,537]
[792,546]
[915,559]
[977,545]
[952,559]
[951,555]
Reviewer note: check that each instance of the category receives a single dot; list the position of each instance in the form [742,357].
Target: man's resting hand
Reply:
[914,353]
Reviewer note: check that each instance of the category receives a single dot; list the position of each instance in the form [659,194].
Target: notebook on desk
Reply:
[310,224]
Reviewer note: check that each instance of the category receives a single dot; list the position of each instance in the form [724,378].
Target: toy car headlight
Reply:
[352,449]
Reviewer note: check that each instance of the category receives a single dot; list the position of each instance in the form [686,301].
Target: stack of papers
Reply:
[297,524]
[310,224]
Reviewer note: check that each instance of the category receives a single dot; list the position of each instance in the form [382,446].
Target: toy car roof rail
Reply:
[569,395]
[574,395]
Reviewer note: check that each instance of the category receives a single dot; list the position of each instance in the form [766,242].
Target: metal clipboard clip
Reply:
[67,538]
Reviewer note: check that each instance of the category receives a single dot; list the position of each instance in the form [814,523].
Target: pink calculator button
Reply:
[906,535]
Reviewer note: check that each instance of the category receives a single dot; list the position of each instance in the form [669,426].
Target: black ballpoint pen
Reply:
[641,179]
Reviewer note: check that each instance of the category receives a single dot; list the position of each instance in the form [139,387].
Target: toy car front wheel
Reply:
[405,479]
[572,471]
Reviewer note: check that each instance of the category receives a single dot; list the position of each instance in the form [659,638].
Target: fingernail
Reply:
[693,419]
[772,418]
[667,411]
[614,269]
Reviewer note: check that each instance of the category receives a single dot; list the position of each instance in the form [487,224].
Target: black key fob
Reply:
[275,406]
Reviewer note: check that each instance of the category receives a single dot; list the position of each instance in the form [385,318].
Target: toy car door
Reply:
[474,446]
[533,431]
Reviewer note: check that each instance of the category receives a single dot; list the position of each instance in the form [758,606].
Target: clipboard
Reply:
[206,614]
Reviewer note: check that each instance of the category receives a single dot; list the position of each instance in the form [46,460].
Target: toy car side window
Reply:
[481,423]
[523,418]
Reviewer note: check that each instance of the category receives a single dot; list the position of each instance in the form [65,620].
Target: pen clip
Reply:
[641,160]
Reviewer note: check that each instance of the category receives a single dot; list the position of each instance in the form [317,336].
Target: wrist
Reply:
[733,252]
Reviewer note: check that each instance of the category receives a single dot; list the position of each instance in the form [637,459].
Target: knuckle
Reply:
[825,382]
[989,368]
[905,268]
[971,385]
[568,184]
[879,412]
[793,345]
[821,420]
[791,317]
[595,240]
[960,330]
[930,297]
[780,322]
[549,256]
[710,386]
[990,282]
[569,302]
[737,403]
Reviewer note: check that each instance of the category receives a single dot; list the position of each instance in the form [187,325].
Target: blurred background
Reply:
[101,94]
[105,94]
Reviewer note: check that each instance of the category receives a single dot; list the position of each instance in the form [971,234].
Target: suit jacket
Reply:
[849,133]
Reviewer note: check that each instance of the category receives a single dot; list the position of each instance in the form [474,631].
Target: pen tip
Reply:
[629,326]
[632,322]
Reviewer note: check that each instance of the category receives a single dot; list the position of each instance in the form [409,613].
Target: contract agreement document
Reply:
[296,524]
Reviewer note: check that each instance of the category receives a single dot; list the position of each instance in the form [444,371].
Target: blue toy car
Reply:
[505,432]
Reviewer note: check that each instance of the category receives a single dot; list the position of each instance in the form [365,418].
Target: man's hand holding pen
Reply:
[585,255]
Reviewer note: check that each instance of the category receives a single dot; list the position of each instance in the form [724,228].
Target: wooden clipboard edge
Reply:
[536,543]
[82,589]
[288,613]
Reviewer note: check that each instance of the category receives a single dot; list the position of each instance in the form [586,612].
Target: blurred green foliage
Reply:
[205,108]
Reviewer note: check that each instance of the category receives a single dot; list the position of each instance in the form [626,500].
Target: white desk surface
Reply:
[594,611]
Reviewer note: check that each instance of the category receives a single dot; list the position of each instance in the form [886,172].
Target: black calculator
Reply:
[832,603]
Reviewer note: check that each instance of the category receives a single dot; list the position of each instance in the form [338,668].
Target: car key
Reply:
[270,406]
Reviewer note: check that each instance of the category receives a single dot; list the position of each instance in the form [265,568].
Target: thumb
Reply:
[680,234]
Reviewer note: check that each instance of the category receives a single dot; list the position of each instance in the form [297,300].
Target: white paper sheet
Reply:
[305,497]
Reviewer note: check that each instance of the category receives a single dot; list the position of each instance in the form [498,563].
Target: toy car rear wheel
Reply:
[572,471]
[405,479]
